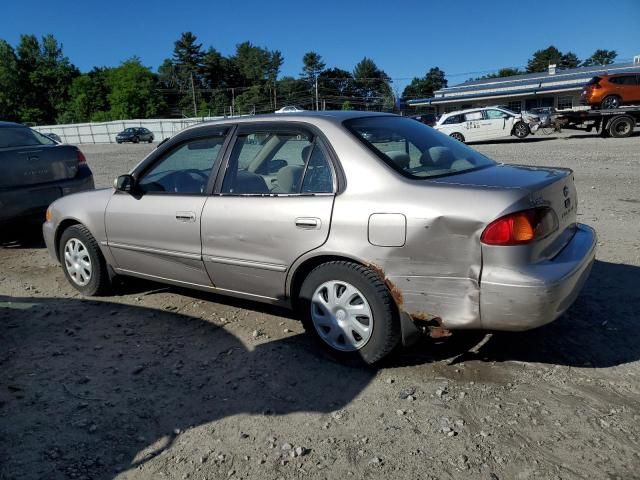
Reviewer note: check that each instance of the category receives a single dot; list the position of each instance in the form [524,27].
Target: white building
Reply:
[554,88]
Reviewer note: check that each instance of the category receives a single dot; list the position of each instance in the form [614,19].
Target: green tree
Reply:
[45,76]
[372,85]
[335,86]
[600,57]
[293,91]
[541,59]
[89,98]
[133,91]
[424,87]
[9,83]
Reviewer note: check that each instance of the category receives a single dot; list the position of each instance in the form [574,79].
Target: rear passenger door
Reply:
[272,205]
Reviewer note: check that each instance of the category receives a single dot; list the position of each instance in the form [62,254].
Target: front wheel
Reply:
[350,310]
[82,261]
[457,136]
[521,130]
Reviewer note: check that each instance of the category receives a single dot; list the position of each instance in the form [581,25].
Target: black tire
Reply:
[610,102]
[98,283]
[151,140]
[118,142]
[621,127]
[385,335]
[521,130]
[457,136]
[136,140]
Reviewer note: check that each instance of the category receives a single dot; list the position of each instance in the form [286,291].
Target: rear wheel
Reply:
[610,102]
[82,261]
[621,127]
[350,310]
[150,140]
[521,130]
[457,136]
[136,140]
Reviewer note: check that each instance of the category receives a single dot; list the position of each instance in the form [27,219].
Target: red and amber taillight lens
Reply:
[81,157]
[521,227]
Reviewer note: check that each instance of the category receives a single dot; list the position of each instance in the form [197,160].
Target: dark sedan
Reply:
[35,171]
[135,135]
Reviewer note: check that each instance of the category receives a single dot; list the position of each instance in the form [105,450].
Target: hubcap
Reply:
[623,128]
[341,315]
[611,102]
[77,261]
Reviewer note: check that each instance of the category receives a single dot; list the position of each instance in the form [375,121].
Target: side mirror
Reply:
[124,183]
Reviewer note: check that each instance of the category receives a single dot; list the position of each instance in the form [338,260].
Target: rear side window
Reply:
[454,119]
[277,162]
[473,116]
[22,137]
[623,80]
[594,81]
[413,149]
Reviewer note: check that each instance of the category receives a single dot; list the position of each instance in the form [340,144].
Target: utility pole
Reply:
[317,92]
[233,102]
[193,94]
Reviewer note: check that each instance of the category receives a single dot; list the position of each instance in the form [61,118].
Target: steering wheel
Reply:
[183,178]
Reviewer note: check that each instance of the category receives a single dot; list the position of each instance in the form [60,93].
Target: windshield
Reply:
[414,149]
[22,137]
[129,130]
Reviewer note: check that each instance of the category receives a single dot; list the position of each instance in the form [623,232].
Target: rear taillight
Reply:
[521,227]
[81,157]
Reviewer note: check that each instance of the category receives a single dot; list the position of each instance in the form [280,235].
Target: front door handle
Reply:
[186,216]
[308,223]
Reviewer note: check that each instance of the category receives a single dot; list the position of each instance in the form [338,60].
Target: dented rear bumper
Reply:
[527,297]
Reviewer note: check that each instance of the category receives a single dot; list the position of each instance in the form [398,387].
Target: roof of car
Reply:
[335,116]
[11,124]
[458,112]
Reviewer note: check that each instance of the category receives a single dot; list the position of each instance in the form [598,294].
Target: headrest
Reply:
[401,159]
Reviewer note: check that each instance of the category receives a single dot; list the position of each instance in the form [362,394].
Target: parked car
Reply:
[135,135]
[35,171]
[53,136]
[426,118]
[289,109]
[486,123]
[611,91]
[370,241]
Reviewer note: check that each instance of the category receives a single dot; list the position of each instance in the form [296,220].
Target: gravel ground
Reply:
[159,382]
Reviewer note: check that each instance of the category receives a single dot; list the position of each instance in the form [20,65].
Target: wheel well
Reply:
[305,268]
[60,230]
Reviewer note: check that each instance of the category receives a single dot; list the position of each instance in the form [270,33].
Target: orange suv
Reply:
[611,91]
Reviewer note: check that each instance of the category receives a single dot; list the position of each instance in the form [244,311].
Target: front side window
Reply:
[495,114]
[413,149]
[184,170]
[22,137]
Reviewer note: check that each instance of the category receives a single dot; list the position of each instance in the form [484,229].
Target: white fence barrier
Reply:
[105,132]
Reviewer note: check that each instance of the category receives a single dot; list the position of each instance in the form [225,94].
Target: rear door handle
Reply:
[186,216]
[308,223]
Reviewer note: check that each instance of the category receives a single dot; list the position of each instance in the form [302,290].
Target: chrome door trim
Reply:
[157,251]
[199,286]
[274,267]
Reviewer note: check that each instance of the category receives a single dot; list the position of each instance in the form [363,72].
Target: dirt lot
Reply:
[158,382]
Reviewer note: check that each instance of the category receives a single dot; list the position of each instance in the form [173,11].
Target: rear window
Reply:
[413,149]
[22,137]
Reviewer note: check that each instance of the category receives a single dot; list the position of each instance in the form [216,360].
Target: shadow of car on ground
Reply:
[88,385]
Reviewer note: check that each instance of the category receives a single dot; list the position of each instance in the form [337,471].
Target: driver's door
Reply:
[497,123]
[154,231]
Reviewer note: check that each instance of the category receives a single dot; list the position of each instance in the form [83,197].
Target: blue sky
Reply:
[405,38]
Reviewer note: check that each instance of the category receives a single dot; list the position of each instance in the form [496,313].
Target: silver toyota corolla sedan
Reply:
[374,227]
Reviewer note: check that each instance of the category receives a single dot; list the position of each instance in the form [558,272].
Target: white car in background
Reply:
[486,123]
[289,109]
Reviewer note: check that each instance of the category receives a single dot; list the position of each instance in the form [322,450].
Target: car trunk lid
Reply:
[36,164]
[540,187]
